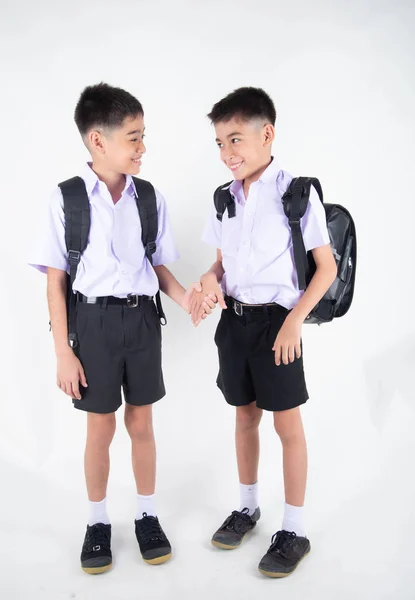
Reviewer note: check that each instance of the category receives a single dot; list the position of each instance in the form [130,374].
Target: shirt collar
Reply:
[270,175]
[271,172]
[91,180]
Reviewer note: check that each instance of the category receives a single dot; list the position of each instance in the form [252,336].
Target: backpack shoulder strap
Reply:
[147,209]
[77,220]
[223,199]
[146,201]
[295,202]
[317,186]
[77,225]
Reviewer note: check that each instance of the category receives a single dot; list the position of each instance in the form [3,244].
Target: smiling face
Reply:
[119,149]
[245,146]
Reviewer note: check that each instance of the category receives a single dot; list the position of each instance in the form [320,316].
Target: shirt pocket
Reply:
[273,235]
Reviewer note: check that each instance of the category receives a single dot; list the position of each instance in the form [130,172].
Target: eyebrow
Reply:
[135,131]
[230,135]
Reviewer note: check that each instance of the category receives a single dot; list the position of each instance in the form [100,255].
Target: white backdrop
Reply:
[342,78]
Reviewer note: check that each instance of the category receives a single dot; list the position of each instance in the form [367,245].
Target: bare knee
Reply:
[139,422]
[289,426]
[248,417]
[100,429]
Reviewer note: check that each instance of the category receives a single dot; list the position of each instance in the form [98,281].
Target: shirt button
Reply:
[241,269]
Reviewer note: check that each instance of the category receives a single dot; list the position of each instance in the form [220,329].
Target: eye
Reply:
[220,145]
[235,140]
[133,140]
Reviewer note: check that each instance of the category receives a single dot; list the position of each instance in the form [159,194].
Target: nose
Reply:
[227,154]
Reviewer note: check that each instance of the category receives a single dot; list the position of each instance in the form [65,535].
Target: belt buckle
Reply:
[132,300]
[238,308]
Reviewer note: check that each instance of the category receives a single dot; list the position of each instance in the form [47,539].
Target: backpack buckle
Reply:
[74,256]
[73,340]
[151,247]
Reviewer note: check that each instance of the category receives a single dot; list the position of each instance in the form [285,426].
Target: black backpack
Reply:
[342,232]
[78,222]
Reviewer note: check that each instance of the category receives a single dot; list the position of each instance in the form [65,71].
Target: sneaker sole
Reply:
[280,575]
[96,570]
[159,560]
[224,546]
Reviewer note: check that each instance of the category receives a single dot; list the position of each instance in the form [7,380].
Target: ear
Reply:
[268,134]
[96,141]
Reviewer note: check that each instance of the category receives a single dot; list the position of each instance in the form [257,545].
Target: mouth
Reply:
[137,161]
[235,166]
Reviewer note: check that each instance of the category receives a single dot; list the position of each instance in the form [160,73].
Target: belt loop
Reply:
[104,303]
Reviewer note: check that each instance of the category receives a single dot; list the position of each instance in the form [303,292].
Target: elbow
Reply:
[331,276]
[328,273]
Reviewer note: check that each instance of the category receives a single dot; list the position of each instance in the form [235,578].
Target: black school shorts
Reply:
[119,347]
[247,369]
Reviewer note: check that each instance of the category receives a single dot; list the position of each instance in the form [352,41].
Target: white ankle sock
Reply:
[249,497]
[146,504]
[98,512]
[294,519]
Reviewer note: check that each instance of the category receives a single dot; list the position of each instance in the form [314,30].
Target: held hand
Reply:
[205,302]
[69,374]
[188,296]
[287,345]
[202,306]
[212,288]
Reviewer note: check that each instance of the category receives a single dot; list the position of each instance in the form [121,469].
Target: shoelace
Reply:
[281,541]
[97,536]
[238,521]
[150,529]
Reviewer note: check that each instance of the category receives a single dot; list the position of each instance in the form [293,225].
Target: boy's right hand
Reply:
[70,373]
[211,294]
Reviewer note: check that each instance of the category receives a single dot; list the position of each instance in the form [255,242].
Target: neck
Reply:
[115,182]
[255,176]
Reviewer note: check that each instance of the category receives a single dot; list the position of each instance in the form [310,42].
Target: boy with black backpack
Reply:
[266,226]
[104,247]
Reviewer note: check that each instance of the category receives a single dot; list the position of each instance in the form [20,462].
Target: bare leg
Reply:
[139,424]
[288,425]
[247,442]
[100,432]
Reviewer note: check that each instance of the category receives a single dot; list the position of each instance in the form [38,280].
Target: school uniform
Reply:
[119,345]
[261,287]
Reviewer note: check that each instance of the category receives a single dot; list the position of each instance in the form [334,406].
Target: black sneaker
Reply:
[155,548]
[96,556]
[231,533]
[287,550]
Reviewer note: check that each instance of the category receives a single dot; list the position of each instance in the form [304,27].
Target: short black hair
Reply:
[102,105]
[246,103]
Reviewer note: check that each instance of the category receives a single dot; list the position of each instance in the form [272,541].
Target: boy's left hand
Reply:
[189,298]
[188,295]
[287,345]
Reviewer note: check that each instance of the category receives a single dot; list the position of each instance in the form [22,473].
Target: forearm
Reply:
[216,269]
[56,295]
[320,283]
[169,284]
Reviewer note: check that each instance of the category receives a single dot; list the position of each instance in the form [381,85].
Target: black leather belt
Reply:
[239,308]
[132,300]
